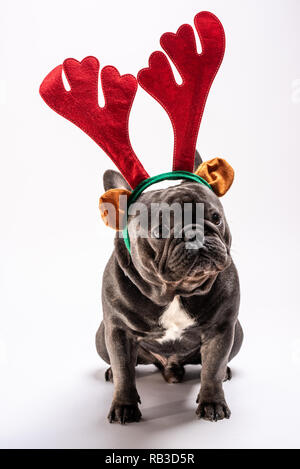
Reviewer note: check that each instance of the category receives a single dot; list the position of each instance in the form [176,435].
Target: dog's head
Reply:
[178,235]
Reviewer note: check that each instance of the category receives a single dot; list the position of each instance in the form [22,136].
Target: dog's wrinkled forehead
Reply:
[186,192]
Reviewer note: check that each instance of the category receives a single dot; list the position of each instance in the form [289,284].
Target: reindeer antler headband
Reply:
[108,125]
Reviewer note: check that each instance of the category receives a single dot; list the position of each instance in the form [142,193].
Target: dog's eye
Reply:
[216,218]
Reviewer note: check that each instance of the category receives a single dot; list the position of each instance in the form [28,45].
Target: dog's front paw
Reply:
[212,410]
[124,413]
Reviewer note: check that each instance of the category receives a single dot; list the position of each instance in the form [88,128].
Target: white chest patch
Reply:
[174,320]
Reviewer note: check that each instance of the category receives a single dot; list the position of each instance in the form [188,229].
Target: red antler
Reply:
[185,103]
[107,126]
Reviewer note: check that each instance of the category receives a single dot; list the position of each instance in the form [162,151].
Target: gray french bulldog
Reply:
[171,306]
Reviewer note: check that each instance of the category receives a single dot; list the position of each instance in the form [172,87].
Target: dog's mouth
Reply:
[179,263]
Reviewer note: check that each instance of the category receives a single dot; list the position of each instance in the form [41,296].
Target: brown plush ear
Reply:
[218,173]
[112,205]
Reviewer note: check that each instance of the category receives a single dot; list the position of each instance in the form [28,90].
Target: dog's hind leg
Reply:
[238,340]
[102,351]
[100,343]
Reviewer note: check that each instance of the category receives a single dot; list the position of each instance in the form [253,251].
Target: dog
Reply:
[171,306]
[168,300]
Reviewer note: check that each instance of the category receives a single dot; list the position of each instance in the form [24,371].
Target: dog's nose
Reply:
[193,236]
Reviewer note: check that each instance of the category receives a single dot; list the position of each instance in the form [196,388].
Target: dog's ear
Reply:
[113,203]
[113,208]
[197,160]
[218,173]
[114,180]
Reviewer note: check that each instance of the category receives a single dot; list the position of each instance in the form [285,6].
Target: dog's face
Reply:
[178,236]
[175,251]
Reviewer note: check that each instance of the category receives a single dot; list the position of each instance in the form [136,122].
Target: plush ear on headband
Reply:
[112,205]
[218,173]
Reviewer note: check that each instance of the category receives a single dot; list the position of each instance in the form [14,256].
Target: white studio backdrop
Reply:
[54,245]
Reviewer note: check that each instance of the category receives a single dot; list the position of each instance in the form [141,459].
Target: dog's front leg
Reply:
[122,352]
[214,355]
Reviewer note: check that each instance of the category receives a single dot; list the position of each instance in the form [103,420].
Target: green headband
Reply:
[153,180]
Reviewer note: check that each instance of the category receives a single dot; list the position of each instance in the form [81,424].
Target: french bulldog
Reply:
[169,305]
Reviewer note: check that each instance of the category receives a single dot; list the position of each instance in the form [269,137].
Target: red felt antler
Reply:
[107,126]
[185,103]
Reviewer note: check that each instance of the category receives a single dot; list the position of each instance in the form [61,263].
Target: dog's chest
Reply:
[175,321]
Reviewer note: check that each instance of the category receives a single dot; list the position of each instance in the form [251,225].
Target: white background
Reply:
[54,245]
